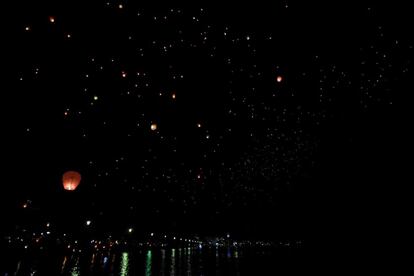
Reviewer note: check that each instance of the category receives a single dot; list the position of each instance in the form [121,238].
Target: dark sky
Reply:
[234,149]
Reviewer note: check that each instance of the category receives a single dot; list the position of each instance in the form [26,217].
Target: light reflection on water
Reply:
[148,263]
[65,259]
[162,271]
[75,271]
[124,264]
[154,262]
[172,267]
[188,263]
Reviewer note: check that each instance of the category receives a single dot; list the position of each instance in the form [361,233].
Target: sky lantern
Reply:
[71,180]
[279,79]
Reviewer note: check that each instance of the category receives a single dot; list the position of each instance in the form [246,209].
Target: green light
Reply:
[124,264]
[148,263]
[75,269]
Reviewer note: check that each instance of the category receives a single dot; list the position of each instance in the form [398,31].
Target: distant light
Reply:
[120,6]
[173,96]
[228,235]
[198,125]
[130,230]
[68,36]
[48,233]
[154,127]
[279,79]
[27,28]
[174,238]
[48,224]
[95,98]
[152,234]
[24,205]
[88,222]
[51,19]
[123,74]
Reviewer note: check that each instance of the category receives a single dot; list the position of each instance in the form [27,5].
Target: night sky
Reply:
[265,120]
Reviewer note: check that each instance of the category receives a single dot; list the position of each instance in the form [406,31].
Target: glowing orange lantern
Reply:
[279,79]
[71,180]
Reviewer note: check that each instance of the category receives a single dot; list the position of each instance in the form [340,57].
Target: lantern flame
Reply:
[71,180]
[279,78]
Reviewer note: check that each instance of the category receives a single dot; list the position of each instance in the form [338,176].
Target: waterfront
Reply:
[159,261]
